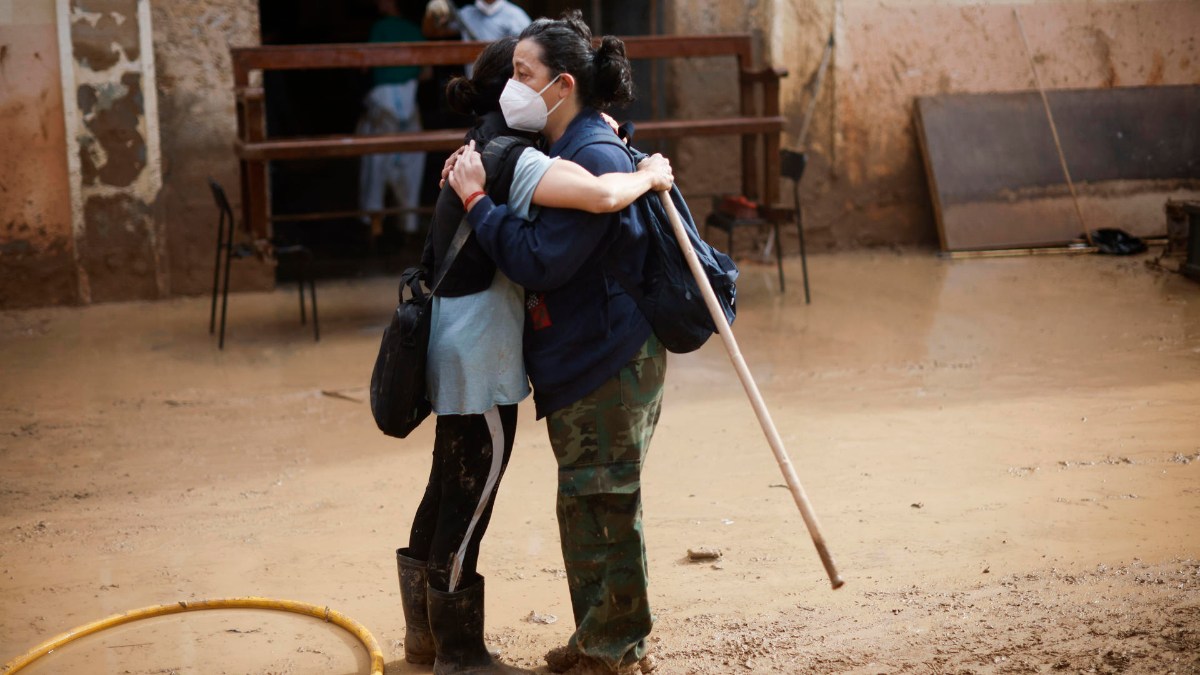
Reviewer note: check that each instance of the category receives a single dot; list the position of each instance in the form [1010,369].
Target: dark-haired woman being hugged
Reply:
[477,376]
[596,367]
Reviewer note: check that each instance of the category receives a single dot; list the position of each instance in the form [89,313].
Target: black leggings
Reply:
[456,508]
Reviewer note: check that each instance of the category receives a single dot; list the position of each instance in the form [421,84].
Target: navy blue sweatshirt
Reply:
[581,326]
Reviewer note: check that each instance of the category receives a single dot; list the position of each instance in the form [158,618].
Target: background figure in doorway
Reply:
[485,20]
[391,107]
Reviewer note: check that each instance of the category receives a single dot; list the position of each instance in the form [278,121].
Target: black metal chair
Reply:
[270,249]
[792,166]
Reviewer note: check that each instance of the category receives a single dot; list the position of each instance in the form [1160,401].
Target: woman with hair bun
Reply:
[596,367]
[476,375]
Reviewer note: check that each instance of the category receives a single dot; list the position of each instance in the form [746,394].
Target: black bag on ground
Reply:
[398,400]
[1112,241]
[669,296]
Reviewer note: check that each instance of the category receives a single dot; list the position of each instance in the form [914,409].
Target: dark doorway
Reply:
[318,102]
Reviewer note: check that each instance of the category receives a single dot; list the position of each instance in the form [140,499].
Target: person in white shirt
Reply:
[486,20]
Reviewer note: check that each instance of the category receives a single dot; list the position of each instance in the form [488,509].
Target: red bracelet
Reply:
[472,197]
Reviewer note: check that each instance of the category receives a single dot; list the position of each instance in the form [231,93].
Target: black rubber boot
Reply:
[418,640]
[457,623]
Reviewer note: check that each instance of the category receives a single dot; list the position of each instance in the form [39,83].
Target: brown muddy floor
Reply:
[1004,455]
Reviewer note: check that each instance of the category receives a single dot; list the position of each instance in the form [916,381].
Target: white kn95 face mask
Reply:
[523,108]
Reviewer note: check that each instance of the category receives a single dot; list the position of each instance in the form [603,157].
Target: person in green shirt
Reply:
[391,107]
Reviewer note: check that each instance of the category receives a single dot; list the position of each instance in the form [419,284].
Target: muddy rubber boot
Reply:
[457,623]
[418,640]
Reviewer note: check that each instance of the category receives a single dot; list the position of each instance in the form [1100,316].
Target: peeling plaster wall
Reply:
[865,183]
[192,39]
[37,251]
[113,155]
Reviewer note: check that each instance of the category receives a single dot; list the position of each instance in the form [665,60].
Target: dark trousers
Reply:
[470,453]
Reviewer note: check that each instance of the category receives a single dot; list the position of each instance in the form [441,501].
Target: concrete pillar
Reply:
[111,116]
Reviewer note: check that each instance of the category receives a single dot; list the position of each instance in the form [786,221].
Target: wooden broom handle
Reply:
[756,400]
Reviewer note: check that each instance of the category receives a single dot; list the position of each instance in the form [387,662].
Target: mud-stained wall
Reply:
[897,51]
[113,155]
[37,252]
[865,183]
[192,39]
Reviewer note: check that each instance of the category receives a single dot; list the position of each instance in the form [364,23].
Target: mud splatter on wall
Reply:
[37,256]
[116,166]
[865,184]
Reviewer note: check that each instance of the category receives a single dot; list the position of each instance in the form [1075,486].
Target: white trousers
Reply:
[390,109]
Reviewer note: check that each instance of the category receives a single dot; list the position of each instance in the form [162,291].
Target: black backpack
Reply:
[669,296]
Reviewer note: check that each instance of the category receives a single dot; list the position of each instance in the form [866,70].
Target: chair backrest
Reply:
[221,199]
[792,163]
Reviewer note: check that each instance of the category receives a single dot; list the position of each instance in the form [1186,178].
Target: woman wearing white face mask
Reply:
[476,376]
[596,367]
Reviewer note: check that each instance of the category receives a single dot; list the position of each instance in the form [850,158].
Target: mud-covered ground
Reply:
[1004,455]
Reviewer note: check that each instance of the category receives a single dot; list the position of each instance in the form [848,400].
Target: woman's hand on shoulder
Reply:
[608,119]
[449,165]
[659,168]
[468,176]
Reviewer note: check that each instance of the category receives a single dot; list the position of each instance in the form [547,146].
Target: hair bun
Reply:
[461,95]
[611,47]
[613,74]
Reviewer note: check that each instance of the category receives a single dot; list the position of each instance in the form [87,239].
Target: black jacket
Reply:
[473,270]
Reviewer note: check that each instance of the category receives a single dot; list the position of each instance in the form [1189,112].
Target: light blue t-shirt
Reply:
[508,20]
[475,359]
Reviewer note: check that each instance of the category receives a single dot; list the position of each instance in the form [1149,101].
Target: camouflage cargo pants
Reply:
[600,443]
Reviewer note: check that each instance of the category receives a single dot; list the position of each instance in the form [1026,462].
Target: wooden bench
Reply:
[759,124]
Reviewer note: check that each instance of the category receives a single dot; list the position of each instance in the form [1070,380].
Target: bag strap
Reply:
[606,136]
[412,276]
[460,237]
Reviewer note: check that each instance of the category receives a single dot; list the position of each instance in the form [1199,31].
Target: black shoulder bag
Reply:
[398,400]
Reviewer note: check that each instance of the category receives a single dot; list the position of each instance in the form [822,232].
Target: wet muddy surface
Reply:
[1004,456]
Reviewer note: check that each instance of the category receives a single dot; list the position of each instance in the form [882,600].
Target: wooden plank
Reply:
[448,139]
[725,126]
[453,52]
[337,215]
[994,173]
[771,142]
[750,176]
[930,177]
[355,55]
[258,179]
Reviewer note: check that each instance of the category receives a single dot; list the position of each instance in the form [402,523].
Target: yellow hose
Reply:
[350,625]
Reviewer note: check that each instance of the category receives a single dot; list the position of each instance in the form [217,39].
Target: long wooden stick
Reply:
[1062,159]
[1019,252]
[756,400]
[814,93]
